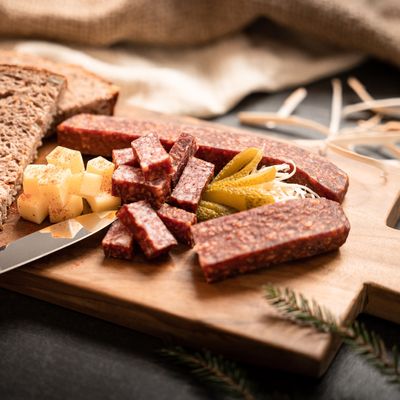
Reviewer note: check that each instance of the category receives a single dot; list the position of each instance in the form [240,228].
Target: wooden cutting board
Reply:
[169,298]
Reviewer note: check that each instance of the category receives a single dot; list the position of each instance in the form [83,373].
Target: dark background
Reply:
[47,352]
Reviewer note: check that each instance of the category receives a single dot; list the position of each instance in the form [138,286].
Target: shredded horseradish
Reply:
[281,190]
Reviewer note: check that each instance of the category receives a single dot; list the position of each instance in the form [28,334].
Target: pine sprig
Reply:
[369,345]
[211,368]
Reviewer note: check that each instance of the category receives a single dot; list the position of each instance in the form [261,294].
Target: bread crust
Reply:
[87,92]
[28,105]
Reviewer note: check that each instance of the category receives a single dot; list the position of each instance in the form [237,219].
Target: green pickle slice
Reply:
[239,186]
[240,165]
[209,210]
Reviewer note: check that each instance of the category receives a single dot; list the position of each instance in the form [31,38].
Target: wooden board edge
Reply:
[382,302]
[160,325]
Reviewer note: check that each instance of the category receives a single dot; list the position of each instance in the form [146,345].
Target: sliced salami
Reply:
[154,161]
[194,179]
[267,235]
[152,235]
[124,157]
[98,135]
[179,222]
[118,242]
[184,148]
[130,184]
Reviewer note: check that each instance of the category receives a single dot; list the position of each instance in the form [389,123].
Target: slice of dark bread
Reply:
[86,93]
[28,105]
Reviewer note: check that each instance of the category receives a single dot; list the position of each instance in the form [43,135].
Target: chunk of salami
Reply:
[98,135]
[118,242]
[154,161]
[194,179]
[130,184]
[184,148]
[266,235]
[124,157]
[147,228]
[178,221]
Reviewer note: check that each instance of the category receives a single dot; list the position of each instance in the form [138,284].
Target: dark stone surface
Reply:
[47,352]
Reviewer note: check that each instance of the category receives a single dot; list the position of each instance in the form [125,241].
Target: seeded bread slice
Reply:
[28,105]
[86,93]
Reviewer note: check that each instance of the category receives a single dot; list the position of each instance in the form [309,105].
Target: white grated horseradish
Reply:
[281,190]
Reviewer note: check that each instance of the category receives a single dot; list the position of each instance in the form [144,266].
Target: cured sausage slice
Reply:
[129,184]
[118,242]
[124,157]
[99,135]
[194,179]
[147,228]
[184,148]
[154,161]
[178,221]
[266,235]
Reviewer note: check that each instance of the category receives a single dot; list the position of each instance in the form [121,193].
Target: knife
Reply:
[53,238]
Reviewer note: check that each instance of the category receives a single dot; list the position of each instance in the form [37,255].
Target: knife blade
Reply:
[53,238]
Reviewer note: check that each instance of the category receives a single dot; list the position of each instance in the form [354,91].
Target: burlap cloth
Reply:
[225,64]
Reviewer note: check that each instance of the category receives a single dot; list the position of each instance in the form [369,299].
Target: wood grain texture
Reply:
[170,298]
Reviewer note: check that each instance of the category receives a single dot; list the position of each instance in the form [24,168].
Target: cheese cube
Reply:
[32,173]
[53,184]
[33,208]
[103,167]
[71,209]
[74,183]
[103,202]
[91,184]
[66,158]
[100,166]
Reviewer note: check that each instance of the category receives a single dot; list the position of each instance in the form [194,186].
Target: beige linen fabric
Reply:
[300,44]
[202,81]
[372,27]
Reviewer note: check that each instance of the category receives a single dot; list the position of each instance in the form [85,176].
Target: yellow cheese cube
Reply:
[103,167]
[71,209]
[103,202]
[100,166]
[33,208]
[66,158]
[32,173]
[53,184]
[91,184]
[74,184]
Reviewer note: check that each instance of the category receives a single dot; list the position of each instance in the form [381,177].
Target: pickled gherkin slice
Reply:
[241,165]
[263,175]
[219,208]
[204,214]
[241,186]
[239,198]
[209,210]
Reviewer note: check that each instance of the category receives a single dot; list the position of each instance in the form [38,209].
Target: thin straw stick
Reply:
[336,108]
[395,150]
[362,93]
[382,106]
[359,89]
[289,105]
[292,102]
[262,118]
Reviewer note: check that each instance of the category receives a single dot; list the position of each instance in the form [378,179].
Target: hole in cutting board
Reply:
[393,219]
[383,153]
